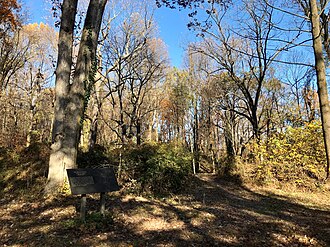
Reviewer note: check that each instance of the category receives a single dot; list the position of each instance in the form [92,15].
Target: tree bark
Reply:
[321,78]
[57,160]
[196,137]
[84,74]
[138,132]
[71,99]
[96,109]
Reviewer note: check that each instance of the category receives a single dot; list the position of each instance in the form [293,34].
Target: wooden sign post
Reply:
[90,180]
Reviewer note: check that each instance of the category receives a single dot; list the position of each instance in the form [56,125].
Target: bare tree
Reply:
[299,79]
[132,62]
[13,56]
[247,55]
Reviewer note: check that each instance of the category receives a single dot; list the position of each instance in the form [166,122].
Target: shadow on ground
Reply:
[215,213]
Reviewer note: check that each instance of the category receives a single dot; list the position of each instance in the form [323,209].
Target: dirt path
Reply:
[215,213]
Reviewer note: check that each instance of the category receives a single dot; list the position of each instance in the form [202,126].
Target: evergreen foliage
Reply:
[158,168]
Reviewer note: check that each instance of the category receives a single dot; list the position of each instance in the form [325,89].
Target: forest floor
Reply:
[215,212]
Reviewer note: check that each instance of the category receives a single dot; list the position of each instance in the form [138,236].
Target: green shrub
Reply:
[297,155]
[158,168]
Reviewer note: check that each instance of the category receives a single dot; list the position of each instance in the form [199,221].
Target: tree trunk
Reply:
[93,133]
[138,132]
[96,109]
[321,79]
[157,127]
[84,75]
[196,137]
[255,123]
[230,145]
[150,127]
[69,115]
[57,160]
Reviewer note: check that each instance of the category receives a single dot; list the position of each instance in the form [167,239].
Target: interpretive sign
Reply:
[92,180]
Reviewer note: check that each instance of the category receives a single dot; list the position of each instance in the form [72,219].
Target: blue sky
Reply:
[173,30]
[172,27]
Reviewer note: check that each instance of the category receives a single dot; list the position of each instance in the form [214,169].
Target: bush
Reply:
[23,171]
[294,156]
[96,156]
[157,168]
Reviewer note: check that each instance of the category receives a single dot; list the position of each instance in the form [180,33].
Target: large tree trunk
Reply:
[57,160]
[71,100]
[321,78]
[86,69]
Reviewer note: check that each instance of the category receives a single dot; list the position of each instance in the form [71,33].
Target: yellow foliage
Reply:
[65,189]
[293,156]
[40,35]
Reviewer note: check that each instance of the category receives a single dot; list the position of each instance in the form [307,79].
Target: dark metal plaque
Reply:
[90,180]
[82,181]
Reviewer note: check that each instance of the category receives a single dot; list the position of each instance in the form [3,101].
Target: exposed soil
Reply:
[214,213]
